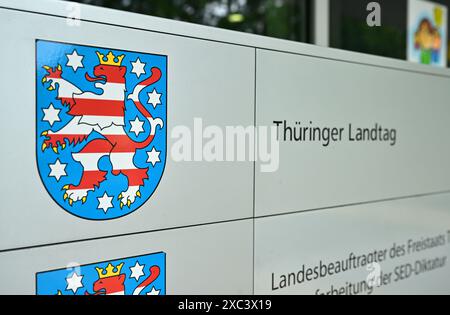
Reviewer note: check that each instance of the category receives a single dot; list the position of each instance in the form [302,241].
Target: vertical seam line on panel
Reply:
[254,169]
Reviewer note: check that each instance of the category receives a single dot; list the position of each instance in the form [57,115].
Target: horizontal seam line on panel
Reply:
[123,235]
[443,192]
[241,45]
[223,222]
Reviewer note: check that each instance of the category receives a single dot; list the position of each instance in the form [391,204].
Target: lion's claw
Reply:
[74,195]
[52,73]
[128,197]
[52,142]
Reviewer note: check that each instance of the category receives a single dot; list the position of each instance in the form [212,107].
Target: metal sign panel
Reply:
[196,262]
[98,102]
[201,82]
[349,132]
[391,247]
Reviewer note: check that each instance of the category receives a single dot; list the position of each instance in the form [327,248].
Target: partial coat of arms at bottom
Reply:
[142,275]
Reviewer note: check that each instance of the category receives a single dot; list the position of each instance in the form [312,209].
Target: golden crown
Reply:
[110,59]
[109,271]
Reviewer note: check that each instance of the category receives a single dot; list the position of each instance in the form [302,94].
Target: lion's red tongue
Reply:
[91,79]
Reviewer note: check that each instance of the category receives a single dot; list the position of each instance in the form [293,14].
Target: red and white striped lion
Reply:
[112,282]
[103,113]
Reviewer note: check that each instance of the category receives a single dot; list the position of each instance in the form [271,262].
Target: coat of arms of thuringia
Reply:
[101,127]
[141,275]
